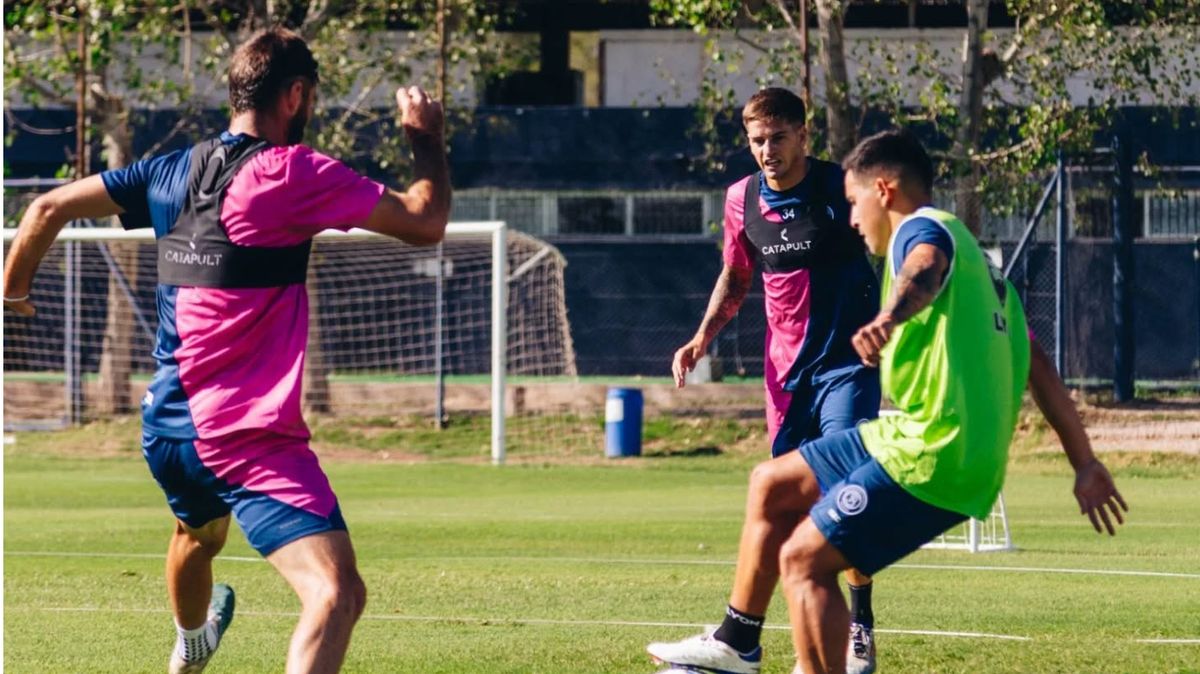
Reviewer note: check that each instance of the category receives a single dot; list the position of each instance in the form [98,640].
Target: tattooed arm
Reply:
[727,297]
[915,287]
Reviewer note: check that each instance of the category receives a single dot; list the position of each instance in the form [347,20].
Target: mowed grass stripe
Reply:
[497,554]
[646,562]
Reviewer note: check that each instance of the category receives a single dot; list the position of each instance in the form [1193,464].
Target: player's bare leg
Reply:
[322,570]
[810,565]
[201,614]
[189,569]
[781,492]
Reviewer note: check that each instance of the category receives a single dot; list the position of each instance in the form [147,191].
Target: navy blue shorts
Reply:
[836,401]
[869,518]
[197,496]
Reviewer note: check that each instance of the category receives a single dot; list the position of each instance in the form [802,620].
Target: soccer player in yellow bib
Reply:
[954,357]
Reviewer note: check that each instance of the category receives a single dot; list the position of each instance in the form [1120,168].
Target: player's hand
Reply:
[420,115]
[1098,496]
[872,337]
[685,361]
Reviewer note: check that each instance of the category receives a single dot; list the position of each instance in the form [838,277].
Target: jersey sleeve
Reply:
[128,187]
[150,191]
[323,193]
[921,230]
[736,252]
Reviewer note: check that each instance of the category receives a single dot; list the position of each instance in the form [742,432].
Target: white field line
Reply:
[524,621]
[578,623]
[654,562]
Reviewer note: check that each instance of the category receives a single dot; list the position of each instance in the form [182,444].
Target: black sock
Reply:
[740,630]
[860,605]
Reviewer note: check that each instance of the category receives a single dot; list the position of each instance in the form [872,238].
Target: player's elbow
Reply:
[418,222]
[428,228]
[46,208]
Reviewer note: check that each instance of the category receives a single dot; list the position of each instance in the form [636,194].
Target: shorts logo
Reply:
[852,500]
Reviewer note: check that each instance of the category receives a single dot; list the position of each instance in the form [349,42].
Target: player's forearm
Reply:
[40,225]
[1056,405]
[730,291]
[430,188]
[917,284]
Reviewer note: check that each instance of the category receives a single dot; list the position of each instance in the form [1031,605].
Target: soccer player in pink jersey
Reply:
[223,434]
[790,219]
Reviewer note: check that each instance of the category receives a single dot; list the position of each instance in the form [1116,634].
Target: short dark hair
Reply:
[774,104]
[897,152]
[264,65]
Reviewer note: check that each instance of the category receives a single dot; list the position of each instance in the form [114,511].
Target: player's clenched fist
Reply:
[419,114]
[872,337]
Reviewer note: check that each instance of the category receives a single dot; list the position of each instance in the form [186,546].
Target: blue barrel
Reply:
[623,423]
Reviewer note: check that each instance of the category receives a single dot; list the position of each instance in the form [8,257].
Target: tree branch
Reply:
[215,22]
[737,35]
[16,121]
[791,22]
[318,14]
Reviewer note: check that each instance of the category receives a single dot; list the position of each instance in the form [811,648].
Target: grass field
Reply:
[574,568]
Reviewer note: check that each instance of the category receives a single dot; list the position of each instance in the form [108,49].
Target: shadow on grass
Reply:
[690,452]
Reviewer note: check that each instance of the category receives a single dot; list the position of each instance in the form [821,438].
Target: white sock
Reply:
[197,644]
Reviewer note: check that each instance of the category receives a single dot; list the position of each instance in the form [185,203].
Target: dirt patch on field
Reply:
[1160,425]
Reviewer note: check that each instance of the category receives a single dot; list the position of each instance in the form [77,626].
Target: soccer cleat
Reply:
[860,654]
[703,653]
[220,614]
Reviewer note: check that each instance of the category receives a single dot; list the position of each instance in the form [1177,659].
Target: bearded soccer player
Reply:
[791,219]
[234,217]
[954,356]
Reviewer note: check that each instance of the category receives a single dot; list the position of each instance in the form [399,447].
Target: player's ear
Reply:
[884,190]
[294,96]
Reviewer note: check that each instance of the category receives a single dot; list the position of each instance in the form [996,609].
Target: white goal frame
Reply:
[495,229]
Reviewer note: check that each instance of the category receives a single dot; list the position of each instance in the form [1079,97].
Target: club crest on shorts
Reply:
[852,499]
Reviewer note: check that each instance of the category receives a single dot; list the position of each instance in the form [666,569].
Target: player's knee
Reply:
[206,541]
[764,481]
[798,560]
[777,490]
[343,595]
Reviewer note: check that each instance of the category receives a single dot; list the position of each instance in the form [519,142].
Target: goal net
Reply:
[478,323]
[990,535]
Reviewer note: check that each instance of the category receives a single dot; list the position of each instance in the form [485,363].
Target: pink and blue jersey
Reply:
[222,417]
[214,375]
[818,285]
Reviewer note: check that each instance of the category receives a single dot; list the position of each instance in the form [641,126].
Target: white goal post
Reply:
[494,231]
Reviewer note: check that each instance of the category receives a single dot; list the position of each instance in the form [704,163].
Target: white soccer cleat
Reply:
[703,653]
[860,653]
[220,614]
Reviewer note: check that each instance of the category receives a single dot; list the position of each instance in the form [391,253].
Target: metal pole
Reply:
[499,339]
[1123,288]
[1060,272]
[439,418]
[1196,287]
[72,366]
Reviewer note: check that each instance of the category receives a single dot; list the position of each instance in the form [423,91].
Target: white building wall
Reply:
[644,68]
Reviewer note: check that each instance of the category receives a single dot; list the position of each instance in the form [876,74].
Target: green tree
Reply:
[1003,100]
[171,54]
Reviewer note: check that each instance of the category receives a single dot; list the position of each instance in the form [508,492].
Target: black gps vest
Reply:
[197,251]
[808,237]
